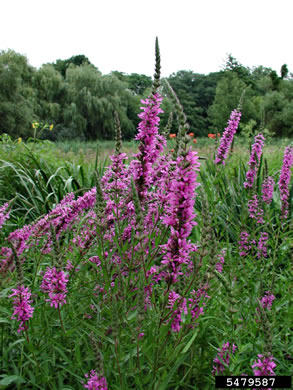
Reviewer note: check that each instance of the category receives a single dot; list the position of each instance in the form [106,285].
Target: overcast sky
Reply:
[120,34]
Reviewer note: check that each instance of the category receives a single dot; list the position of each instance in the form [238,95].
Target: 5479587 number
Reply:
[257,382]
[251,382]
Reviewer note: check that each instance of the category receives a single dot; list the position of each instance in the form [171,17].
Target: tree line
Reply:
[79,101]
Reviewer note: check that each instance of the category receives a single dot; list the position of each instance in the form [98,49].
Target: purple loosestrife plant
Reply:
[54,283]
[254,160]
[268,189]
[223,357]
[95,382]
[285,181]
[23,311]
[227,137]
[180,215]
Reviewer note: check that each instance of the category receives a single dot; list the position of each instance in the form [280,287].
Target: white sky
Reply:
[120,34]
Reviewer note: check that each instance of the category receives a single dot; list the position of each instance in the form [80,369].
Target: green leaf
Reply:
[188,345]
[11,379]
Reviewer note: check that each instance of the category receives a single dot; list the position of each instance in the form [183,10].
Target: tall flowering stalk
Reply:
[285,181]
[181,215]
[254,160]
[23,311]
[268,189]
[227,137]
[151,142]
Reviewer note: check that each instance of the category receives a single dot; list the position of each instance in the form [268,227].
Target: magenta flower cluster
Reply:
[247,243]
[194,304]
[223,357]
[22,310]
[95,381]
[267,300]
[264,366]
[254,160]
[54,283]
[285,181]
[227,137]
[4,215]
[268,189]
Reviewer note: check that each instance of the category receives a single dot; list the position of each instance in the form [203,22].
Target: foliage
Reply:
[16,94]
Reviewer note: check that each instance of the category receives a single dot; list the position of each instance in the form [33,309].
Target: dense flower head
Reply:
[268,189]
[4,215]
[267,300]
[23,311]
[264,366]
[227,137]
[262,245]
[54,283]
[95,381]
[223,357]
[284,180]
[254,209]
[254,160]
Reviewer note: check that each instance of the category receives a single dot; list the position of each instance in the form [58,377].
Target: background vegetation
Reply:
[79,100]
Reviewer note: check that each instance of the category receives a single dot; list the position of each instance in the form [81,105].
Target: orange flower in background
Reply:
[191,134]
[212,136]
[172,150]
[219,135]
[194,141]
[172,135]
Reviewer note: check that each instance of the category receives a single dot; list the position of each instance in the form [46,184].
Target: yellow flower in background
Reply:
[51,127]
[19,140]
[35,125]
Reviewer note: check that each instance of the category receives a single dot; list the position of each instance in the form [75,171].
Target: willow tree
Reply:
[92,99]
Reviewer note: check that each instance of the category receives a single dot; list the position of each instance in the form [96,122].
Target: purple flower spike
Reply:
[227,137]
[285,181]
[254,160]
[268,190]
